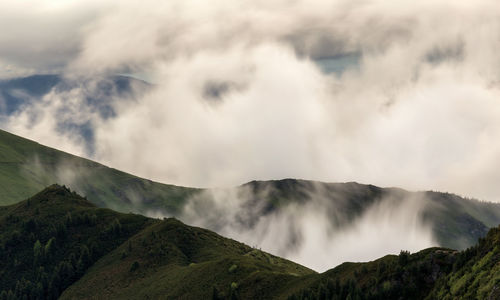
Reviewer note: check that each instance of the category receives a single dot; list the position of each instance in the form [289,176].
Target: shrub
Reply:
[232,268]
[134,266]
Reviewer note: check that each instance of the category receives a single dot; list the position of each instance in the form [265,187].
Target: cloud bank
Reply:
[238,95]
[320,230]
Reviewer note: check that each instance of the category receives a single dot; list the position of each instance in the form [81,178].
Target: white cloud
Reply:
[318,234]
[42,36]
[237,97]
[419,111]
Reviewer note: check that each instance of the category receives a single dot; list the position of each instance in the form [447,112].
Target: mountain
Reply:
[434,273]
[476,272]
[17,92]
[100,95]
[27,167]
[456,222]
[58,243]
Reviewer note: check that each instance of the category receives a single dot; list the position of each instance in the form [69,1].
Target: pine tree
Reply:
[37,253]
[85,256]
[50,247]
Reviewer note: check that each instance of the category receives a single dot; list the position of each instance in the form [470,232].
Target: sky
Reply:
[417,108]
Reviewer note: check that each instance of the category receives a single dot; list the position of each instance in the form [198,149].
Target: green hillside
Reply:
[49,241]
[434,273]
[27,167]
[170,259]
[476,272]
[58,243]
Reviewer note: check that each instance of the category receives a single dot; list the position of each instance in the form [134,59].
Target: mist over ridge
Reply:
[315,223]
[237,99]
[389,93]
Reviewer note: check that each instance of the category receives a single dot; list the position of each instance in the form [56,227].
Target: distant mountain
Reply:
[456,222]
[16,92]
[58,243]
[100,95]
[26,167]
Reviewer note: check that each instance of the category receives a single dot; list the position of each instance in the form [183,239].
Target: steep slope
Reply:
[433,273]
[391,277]
[476,273]
[26,167]
[172,260]
[57,242]
[48,241]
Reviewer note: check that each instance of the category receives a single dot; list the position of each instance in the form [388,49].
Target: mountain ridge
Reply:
[28,166]
[95,253]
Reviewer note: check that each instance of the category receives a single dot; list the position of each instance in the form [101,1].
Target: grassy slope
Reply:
[148,258]
[179,261]
[434,273]
[173,259]
[26,167]
[476,273]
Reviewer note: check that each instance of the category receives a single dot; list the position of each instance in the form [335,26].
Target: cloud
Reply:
[319,230]
[42,36]
[419,110]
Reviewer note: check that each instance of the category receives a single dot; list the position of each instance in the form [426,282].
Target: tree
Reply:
[85,256]
[68,220]
[38,291]
[50,247]
[404,256]
[134,266]
[66,273]
[37,253]
[215,293]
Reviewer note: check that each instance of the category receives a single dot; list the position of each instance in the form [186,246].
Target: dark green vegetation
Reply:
[57,242]
[49,240]
[476,272]
[26,167]
[407,276]
[175,260]
[434,273]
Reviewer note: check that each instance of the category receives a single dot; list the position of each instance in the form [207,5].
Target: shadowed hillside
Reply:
[57,242]
[27,167]
[456,222]
[49,241]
